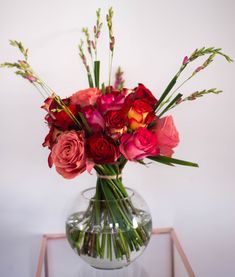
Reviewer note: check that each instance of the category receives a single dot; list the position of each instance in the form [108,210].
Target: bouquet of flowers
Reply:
[102,128]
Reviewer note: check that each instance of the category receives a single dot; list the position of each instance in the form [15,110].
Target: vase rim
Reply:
[130,191]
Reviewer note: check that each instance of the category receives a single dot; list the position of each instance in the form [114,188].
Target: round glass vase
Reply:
[109,233]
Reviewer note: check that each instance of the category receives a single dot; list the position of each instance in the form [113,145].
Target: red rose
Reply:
[57,116]
[51,137]
[116,123]
[102,150]
[116,119]
[142,92]
[140,144]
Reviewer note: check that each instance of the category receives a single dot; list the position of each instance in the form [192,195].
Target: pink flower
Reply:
[68,154]
[185,60]
[93,118]
[110,102]
[140,144]
[167,135]
[85,97]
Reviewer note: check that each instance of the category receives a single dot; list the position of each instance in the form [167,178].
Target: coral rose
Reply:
[85,97]
[167,135]
[140,144]
[68,154]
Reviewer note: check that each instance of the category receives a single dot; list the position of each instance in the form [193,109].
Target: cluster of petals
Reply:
[121,123]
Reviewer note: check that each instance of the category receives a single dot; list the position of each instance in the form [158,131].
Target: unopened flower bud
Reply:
[186,60]
[198,69]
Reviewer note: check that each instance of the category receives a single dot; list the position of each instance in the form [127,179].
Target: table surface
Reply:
[164,257]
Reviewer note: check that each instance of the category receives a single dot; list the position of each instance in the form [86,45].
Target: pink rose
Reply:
[140,144]
[85,97]
[68,154]
[167,135]
[110,102]
[93,118]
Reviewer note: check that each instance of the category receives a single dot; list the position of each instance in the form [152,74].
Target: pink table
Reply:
[164,257]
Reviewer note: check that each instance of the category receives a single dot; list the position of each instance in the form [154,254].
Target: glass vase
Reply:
[111,225]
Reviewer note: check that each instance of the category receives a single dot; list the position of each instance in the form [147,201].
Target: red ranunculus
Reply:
[166,134]
[68,154]
[140,144]
[102,150]
[93,118]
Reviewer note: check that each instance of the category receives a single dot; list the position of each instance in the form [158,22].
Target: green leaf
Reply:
[85,123]
[166,92]
[103,89]
[177,97]
[97,73]
[172,161]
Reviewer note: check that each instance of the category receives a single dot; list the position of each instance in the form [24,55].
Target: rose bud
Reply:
[140,144]
[166,134]
[102,150]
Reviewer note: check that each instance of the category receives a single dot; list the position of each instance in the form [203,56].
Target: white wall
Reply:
[152,38]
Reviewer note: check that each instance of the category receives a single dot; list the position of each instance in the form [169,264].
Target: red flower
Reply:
[142,92]
[116,119]
[102,150]
[116,123]
[57,116]
[140,112]
[139,145]
[51,137]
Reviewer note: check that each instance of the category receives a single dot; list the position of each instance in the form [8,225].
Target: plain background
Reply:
[152,37]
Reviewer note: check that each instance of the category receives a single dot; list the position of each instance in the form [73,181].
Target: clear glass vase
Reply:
[109,233]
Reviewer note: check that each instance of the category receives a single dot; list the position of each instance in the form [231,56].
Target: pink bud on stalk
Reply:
[93,44]
[186,60]
[112,42]
[31,78]
[98,34]
[198,69]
